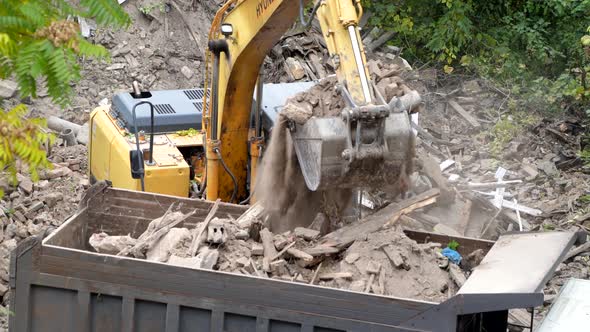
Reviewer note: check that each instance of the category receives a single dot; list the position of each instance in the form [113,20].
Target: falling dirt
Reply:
[282,189]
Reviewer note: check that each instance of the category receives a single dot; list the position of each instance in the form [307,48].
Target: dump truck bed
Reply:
[59,284]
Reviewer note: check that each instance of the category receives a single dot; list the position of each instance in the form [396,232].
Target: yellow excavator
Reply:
[209,141]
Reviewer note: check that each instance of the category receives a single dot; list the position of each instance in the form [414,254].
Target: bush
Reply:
[536,48]
[39,41]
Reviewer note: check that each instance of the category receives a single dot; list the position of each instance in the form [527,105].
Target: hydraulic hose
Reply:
[302,13]
[253,185]
[233,178]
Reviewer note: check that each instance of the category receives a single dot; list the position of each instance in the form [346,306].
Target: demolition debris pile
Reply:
[384,262]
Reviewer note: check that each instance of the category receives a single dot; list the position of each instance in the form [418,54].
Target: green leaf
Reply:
[453,245]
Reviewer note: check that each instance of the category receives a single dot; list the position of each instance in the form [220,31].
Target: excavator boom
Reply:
[370,138]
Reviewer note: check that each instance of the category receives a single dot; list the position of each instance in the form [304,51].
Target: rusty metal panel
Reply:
[105,313]
[84,291]
[52,309]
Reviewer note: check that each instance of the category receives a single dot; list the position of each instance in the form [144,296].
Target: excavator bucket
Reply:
[368,146]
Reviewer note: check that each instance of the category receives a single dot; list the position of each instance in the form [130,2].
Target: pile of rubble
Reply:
[385,262]
[33,208]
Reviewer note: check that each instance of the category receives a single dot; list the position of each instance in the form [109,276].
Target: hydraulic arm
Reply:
[241,35]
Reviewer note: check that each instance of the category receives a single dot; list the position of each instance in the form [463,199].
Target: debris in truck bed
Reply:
[382,261]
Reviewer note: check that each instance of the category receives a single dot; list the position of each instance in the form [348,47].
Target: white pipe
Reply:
[359,63]
[58,125]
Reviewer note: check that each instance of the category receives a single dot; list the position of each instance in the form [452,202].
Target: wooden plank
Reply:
[432,170]
[269,247]
[576,251]
[411,208]
[520,317]
[197,239]
[489,185]
[463,113]
[252,215]
[335,275]
[321,250]
[315,274]
[284,250]
[299,254]
[344,236]
[384,38]
[521,208]
[457,275]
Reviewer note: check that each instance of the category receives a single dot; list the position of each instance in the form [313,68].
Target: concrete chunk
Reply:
[257,249]
[242,262]
[351,258]
[280,241]
[295,68]
[336,275]
[26,185]
[7,89]
[306,233]
[187,72]
[161,249]
[104,243]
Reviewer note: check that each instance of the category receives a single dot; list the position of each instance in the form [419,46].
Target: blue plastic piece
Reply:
[452,255]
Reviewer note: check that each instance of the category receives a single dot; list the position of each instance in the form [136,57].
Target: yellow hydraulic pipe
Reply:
[212,170]
[255,152]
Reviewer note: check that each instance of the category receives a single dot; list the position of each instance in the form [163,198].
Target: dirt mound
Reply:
[418,276]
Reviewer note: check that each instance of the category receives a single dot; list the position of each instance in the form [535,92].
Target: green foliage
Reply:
[506,129]
[584,199]
[5,312]
[147,9]
[38,42]
[453,245]
[189,132]
[22,139]
[536,49]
